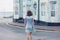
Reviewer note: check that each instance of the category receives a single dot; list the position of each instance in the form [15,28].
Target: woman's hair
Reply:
[29,13]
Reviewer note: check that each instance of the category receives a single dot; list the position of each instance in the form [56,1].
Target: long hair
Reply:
[29,13]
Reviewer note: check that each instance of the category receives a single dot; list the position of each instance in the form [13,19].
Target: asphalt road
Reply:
[8,32]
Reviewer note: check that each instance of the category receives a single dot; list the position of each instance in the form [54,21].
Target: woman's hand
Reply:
[25,22]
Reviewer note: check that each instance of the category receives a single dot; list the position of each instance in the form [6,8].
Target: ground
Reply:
[11,32]
[8,32]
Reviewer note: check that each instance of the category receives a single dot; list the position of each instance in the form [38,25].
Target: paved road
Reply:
[8,32]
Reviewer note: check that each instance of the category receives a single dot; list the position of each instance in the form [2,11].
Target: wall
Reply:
[44,10]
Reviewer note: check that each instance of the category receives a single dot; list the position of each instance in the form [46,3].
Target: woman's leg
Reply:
[27,36]
[30,36]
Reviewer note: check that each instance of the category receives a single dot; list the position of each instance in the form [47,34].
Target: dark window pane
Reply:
[53,2]
[52,13]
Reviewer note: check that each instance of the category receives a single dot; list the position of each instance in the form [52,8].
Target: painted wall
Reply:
[31,7]
[59,10]
[53,16]
[27,5]
[44,10]
[20,8]
[47,16]
[35,10]
[24,8]
[16,9]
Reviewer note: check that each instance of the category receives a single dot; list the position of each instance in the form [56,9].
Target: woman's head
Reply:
[29,13]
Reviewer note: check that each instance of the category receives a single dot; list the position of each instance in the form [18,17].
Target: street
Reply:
[14,33]
[43,15]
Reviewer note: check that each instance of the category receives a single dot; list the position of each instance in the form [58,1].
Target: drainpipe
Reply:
[38,10]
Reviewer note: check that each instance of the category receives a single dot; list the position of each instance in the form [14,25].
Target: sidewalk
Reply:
[49,28]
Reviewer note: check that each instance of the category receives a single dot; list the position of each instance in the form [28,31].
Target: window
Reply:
[43,9]
[52,13]
[52,6]
[16,12]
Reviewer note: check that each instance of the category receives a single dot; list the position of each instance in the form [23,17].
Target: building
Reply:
[44,11]
[49,12]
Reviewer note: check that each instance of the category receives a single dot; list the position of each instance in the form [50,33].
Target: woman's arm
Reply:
[33,21]
[25,21]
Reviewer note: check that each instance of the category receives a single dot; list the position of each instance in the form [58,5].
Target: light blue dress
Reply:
[29,24]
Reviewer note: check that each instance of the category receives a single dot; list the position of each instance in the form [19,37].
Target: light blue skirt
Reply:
[29,30]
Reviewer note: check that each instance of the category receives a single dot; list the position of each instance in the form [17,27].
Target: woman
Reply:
[29,23]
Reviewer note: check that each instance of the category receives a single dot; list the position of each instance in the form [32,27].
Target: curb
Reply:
[22,26]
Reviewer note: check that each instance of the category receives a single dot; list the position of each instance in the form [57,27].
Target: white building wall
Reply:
[47,16]
[35,10]
[16,9]
[28,6]
[24,8]
[54,19]
[58,10]
[20,8]
[44,16]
